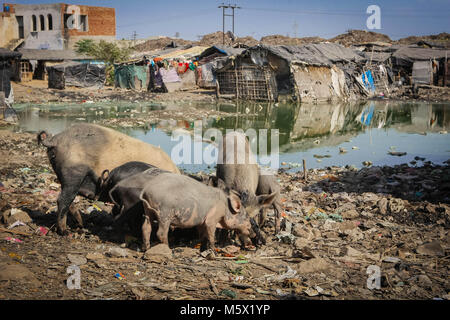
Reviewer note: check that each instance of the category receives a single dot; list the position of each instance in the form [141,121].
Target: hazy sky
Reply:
[257,18]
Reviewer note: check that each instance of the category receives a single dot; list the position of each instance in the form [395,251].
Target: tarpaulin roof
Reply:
[76,74]
[183,53]
[8,54]
[227,51]
[411,54]
[313,53]
[51,55]
[376,56]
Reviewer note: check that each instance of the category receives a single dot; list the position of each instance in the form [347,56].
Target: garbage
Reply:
[117,252]
[42,231]
[398,154]
[433,248]
[15,240]
[119,276]
[16,224]
[76,259]
[228,293]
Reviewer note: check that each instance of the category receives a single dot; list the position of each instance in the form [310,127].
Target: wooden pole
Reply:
[305,172]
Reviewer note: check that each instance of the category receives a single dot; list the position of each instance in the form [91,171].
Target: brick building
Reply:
[55,26]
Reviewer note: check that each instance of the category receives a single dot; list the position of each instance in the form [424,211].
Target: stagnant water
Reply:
[317,133]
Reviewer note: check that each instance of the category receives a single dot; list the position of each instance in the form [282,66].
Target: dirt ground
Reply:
[37,91]
[337,225]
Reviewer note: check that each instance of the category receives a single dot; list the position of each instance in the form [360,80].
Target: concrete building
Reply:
[55,26]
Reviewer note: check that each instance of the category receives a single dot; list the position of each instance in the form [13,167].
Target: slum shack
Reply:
[133,74]
[9,60]
[76,74]
[421,65]
[312,72]
[180,68]
[211,59]
[34,62]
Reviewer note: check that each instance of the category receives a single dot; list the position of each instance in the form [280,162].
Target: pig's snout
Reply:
[255,234]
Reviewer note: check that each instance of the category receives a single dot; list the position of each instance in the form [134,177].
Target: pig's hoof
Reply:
[64,233]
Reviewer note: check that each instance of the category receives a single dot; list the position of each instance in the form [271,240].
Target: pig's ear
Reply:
[105,175]
[235,203]
[221,184]
[266,199]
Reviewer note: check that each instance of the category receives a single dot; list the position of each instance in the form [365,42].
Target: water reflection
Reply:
[367,130]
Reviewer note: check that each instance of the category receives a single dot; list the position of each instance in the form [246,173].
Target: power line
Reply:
[224,7]
[351,13]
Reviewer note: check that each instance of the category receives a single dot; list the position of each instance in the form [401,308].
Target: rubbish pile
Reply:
[337,226]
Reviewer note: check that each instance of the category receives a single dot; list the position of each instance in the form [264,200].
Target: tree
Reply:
[108,52]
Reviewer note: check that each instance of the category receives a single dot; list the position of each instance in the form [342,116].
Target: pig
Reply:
[125,194]
[182,202]
[108,180]
[237,167]
[267,184]
[83,151]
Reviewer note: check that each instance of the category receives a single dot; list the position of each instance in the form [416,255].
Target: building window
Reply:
[20,24]
[42,20]
[50,22]
[34,23]
[83,23]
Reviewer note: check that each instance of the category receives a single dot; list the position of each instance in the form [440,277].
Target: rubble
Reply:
[334,229]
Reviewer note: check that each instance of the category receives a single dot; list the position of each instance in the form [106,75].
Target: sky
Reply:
[258,18]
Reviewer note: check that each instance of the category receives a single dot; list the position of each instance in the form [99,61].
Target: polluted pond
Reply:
[340,217]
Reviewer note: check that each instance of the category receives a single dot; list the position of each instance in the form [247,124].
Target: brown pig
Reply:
[237,167]
[268,184]
[180,201]
[83,151]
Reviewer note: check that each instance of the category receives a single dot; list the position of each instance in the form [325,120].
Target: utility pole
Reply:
[134,36]
[224,7]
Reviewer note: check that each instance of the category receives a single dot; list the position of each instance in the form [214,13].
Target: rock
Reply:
[159,253]
[395,205]
[285,237]
[16,215]
[350,214]
[300,243]
[423,281]
[354,234]
[351,252]
[313,265]
[17,272]
[431,249]
[382,205]
[118,252]
[347,225]
[76,259]
[94,256]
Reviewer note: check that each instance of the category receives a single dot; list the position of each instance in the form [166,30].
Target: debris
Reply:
[118,252]
[119,276]
[16,240]
[312,265]
[398,154]
[76,259]
[433,248]
[228,293]
[158,254]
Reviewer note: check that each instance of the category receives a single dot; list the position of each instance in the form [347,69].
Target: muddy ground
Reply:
[37,91]
[336,224]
